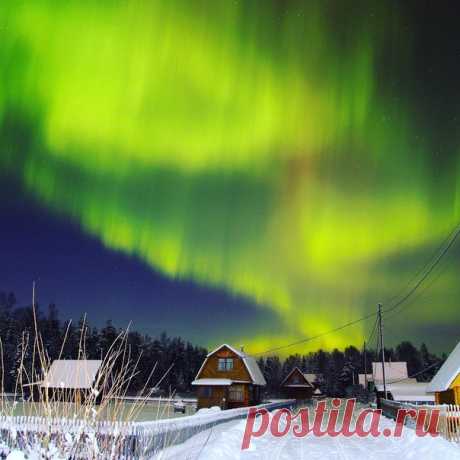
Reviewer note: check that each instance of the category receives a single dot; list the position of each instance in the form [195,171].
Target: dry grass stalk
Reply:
[105,401]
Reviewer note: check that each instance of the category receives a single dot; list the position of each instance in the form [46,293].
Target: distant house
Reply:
[299,385]
[407,391]
[229,378]
[399,386]
[70,379]
[317,393]
[394,372]
[446,383]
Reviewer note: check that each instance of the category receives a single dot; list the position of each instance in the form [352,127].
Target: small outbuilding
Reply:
[407,391]
[395,371]
[229,378]
[299,385]
[71,379]
[446,383]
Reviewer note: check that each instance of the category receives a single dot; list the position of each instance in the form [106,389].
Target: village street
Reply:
[224,443]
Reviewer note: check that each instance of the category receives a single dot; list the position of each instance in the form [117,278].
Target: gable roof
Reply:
[291,372]
[447,373]
[72,373]
[394,370]
[309,378]
[249,362]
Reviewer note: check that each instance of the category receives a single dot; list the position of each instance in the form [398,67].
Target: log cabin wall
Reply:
[297,378]
[214,395]
[298,393]
[215,398]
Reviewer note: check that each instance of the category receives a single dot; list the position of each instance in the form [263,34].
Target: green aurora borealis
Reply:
[251,145]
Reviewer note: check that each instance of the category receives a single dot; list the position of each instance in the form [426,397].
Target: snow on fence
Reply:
[76,439]
[154,436]
[449,416]
[80,439]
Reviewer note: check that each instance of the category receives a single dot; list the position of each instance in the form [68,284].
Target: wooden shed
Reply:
[71,380]
[446,383]
[229,378]
[299,385]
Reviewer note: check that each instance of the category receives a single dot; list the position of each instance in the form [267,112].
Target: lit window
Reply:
[225,364]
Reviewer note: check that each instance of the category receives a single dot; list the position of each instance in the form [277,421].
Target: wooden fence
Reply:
[449,421]
[78,439]
[449,416]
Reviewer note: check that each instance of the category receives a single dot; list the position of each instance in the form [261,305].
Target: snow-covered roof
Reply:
[393,371]
[380,387]
[217,382]
[447,373]
[240,353]
[72,373]
[309,378]
[412,391]
[362,379]
[254,370]
[249,361]
[298,385]
[408,391]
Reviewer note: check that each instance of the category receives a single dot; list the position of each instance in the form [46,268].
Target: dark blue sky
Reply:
[80,275]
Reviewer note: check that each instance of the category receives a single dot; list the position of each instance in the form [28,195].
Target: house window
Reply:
[225,364]
[205,392]
[236,393]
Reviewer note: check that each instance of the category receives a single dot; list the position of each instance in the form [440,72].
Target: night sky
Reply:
[253,172]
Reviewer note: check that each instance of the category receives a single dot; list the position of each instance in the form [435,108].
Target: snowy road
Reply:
[224,443]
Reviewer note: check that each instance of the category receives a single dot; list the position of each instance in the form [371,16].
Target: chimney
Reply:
[242,348]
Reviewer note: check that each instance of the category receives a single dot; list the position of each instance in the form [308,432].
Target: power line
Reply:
[371,335]
[452,237]
[424,267]
[417,373]
[431,267]
[421,291]
[314,337]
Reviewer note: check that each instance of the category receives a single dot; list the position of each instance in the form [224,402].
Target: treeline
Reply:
[339,369]
[176,361]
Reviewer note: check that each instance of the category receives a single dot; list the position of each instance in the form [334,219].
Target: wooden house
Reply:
[395,371]
[229,378]
[446,383]
[299,385]
[71,380]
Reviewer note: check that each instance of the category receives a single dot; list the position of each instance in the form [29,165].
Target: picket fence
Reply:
[79,439]
[449,416]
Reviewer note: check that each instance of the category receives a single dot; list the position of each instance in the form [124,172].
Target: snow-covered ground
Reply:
[223,442]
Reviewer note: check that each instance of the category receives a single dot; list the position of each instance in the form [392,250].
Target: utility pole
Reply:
[383,350]
[365,365]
